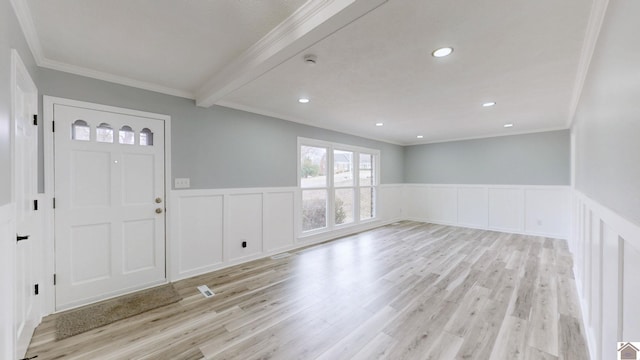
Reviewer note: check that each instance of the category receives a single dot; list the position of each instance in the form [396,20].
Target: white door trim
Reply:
[49,186]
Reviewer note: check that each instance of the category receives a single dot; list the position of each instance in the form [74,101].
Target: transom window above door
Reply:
[104,133]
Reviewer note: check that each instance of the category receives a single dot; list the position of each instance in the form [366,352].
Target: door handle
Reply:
[21,237]
[158,211]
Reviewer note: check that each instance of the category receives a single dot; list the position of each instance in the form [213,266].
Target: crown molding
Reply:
[488,136]
[121,80]
[23,13]
[596,18]
[313,22]
[280,116]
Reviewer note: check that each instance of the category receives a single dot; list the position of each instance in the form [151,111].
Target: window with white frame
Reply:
[338,184]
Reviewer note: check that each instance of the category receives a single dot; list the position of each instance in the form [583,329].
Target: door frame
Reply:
[49,183]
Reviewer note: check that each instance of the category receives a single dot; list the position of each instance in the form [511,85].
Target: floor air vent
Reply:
[205,291]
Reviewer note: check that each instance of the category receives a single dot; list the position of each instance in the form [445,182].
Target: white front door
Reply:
[109,204]
[25,106]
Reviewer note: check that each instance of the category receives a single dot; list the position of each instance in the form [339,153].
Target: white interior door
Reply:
[25,106]
[109,196]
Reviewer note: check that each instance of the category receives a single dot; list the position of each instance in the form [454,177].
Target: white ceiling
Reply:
[374,58]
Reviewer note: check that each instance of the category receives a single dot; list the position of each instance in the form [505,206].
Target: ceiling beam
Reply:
[313,22]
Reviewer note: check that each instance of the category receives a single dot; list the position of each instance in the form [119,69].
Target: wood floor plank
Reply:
[511,340]
[479,343]
[408,290]
[353,343]
[543,333]
[572,342]
[535,354]
[445,347]
[525,290]
[376,349]
[467,312]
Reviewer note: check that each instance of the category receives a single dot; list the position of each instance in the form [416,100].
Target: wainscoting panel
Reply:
[442,204]
[610,270]
[631,292]
[473,209]
[595,296]
[197,220]
[535,210]
[279,223]
[547,211]
[7,265]
[416,198]
[506,209]
[244,225]
[207,227]
[606,249]
[390,202]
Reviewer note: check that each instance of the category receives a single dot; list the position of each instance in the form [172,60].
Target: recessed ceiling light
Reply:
[379,124]
[508,125]
[489,104]
[442,52]
[419,136]
[303,100]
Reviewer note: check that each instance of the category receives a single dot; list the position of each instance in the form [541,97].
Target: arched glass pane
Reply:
[80,130]
[104,133]
[126,135]
[146,137]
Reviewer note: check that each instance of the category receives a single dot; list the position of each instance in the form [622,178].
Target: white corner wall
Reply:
[522,209]
[606,249]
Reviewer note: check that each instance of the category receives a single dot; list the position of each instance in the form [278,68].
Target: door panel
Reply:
[89,257]
[139,245]
[110,190]
[90,178]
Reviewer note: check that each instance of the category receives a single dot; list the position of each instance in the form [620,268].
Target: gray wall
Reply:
[531,159]
[607,123]
[10,37]
[219,147]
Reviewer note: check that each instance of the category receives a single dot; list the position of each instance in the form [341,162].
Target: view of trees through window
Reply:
[334,181]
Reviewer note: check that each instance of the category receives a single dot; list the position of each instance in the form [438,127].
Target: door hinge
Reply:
[54,279]
[54,203]
[35,205]
[36,289]
[35,119]
[53,126]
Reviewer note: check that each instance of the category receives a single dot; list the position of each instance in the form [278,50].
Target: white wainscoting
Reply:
[606,249]
[208,227]
[7,266]
[534,210]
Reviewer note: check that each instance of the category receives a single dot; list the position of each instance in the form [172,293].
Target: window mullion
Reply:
[356,186]
[330,190]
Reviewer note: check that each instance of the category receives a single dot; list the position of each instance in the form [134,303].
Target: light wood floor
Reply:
[406,291]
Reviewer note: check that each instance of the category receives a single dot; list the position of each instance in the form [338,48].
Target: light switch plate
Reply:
[182,183]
